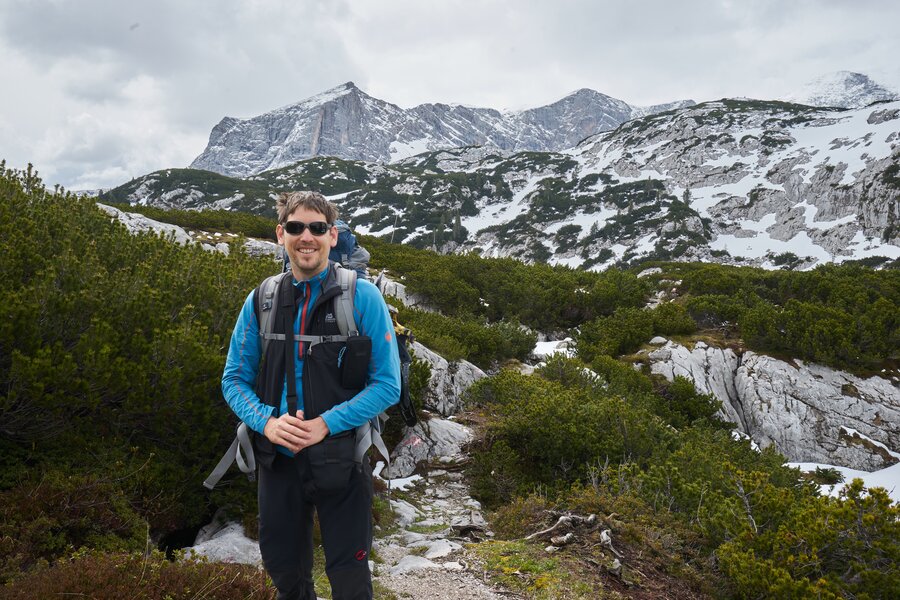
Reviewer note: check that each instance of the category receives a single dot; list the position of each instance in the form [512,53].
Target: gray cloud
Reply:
[109,90]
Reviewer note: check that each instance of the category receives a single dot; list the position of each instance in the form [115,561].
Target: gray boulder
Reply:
[434,439]
[449,380]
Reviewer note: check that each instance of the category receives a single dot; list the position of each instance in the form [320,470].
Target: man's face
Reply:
[308,252]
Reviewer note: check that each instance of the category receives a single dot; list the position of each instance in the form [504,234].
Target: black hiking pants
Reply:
[286,504]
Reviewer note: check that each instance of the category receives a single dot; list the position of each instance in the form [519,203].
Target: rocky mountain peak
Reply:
[841,89]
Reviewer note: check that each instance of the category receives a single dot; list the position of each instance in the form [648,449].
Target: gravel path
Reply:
[426,559]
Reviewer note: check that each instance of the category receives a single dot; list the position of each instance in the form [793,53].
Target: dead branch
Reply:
[563,522]
[606,542]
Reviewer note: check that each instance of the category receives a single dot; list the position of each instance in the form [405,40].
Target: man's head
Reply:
[288,202]
[306,230]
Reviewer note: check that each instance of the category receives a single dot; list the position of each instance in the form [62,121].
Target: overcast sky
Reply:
[98,91]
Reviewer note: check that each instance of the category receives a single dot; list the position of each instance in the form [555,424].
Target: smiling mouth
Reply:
[306,250]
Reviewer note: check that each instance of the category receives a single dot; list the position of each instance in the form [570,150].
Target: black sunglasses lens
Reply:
[294,227]
[316,228]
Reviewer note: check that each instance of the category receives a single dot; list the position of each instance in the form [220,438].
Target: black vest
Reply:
[321,376]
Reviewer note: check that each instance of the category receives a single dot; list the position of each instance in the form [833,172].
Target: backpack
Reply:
[347,252]
[367,434]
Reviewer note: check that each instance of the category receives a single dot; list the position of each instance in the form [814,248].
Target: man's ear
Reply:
[334,236]
[279,234]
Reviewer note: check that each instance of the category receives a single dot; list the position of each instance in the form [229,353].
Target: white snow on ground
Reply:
[543,350]
[573,262]
[342,196]
[586,220]
[401,150]
[399,484]
[645,152]
[646,244]
[888,478]
[758,246]
[740,435]
[860,247]
[759,226]
[705,197]
[413,234]
[726,159]
[502,213]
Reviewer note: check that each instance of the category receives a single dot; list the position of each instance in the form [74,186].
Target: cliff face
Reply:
[809,412]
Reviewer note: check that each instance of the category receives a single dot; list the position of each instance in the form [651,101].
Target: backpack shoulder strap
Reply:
[265,306]
[346,278]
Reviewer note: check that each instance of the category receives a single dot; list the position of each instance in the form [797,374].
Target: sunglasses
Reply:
[316,228]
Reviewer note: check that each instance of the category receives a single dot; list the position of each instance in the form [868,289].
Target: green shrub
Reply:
[222,221]
[522,516]
[112,347]
[670,318]
[680,404]
[841,315]
[621,333]
[827,476]
[497,474]
[116,576]
[466,338]
[714,310]
[844,547]
[551,432]
[622,379]
[43,518]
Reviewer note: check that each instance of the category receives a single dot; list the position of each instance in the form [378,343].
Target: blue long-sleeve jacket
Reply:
[372,319]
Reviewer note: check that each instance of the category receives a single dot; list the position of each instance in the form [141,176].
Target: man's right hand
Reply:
[285,431]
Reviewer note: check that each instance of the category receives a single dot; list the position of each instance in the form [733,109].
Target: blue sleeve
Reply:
[241,367]
[383,386]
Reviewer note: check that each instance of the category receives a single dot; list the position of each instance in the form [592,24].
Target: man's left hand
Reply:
[312,432]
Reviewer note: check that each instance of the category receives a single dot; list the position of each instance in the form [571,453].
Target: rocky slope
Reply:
[346,122]
[810,413]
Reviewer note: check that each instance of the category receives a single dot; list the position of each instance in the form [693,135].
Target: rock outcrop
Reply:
[449,380]
[811,413]
[434,439]
[138,223]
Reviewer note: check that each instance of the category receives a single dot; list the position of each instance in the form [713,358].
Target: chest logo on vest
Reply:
[329,318]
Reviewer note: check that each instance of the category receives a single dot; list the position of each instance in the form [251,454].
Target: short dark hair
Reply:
[288,202]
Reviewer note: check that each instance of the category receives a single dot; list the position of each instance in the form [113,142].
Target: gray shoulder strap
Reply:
[347,280]
[368,436]
[246,462]
[267,307]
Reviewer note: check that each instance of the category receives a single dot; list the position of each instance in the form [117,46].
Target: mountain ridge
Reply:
[346,122]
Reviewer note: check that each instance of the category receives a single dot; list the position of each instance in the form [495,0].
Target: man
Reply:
[303,431]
